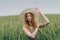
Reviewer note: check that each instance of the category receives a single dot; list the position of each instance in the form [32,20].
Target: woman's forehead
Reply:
[28,14]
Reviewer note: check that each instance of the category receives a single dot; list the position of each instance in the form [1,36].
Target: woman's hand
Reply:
[37,10]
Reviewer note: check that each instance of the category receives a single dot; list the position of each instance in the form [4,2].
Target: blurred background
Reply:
[11,25]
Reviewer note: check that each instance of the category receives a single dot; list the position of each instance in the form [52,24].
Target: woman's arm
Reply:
[46,21]
[45,18]
[29,34]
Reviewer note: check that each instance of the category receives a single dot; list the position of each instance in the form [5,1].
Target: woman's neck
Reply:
[30,23]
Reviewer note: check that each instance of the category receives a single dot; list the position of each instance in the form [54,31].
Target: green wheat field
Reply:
[11,28]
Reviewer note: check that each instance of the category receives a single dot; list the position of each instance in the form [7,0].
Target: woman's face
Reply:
[29,17]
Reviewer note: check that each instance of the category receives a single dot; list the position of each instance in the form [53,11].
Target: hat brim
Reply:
[22,14]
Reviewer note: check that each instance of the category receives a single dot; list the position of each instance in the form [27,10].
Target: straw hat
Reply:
[22,14]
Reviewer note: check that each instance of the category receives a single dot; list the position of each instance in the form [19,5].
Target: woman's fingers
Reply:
[36,9]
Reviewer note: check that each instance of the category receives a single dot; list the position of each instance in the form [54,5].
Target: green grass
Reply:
[11,28]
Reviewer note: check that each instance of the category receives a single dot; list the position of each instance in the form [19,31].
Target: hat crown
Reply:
[22,14]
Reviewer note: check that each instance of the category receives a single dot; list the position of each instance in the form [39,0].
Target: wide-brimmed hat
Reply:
[22,14]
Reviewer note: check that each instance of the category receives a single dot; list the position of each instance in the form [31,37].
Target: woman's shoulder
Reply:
[24,26]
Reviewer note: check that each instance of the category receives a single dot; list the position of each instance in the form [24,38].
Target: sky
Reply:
[14,7]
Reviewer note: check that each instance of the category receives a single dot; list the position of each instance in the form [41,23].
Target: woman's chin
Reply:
[29,20]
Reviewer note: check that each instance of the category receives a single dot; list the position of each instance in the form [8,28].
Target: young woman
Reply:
[31,26]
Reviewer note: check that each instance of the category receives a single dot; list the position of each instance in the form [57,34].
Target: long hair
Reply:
[33,21]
